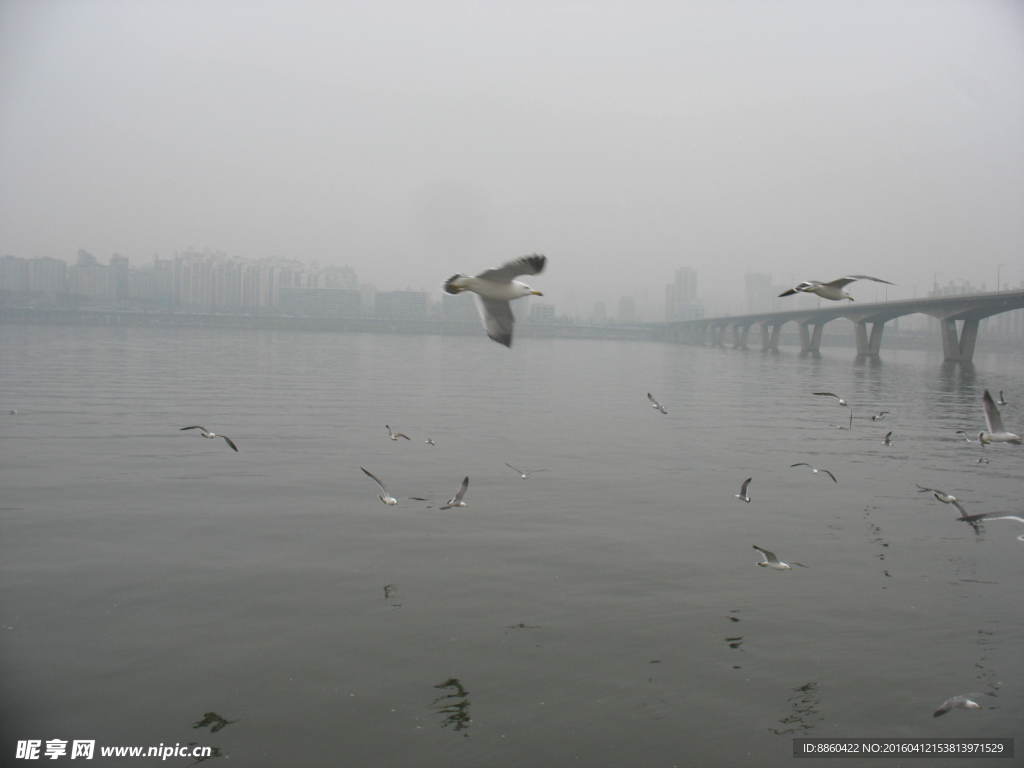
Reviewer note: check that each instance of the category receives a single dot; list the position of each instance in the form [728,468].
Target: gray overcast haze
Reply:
[412,140]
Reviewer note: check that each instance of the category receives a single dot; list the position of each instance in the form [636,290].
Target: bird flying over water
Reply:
[814,469]
[945,498]
[888,438]
[832,395]
[523,473]
[833,291]
[996,433]
[743,495]
[384,496]
[204,432]
[655,404]
[879,416]
[964,701]
[396,435]
[771,561]
[456,500]
[495,288]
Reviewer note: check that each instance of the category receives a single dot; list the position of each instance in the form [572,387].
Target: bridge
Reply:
[958,318]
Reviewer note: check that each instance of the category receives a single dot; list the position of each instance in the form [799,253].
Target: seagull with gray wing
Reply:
[769,560]
[495,288]
[456,500]
[814,469]
[963,701]
[204,432]
[743,495]
[655,404]
[832,291]
[384,496]
[996,433]
[523,473]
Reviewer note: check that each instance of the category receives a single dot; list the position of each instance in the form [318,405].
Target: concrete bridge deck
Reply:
[958,318]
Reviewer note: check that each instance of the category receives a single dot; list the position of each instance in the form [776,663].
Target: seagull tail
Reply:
[454,284]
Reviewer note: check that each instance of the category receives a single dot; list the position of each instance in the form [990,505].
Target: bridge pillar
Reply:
[770,333]
[810,341]
[740,334]
[959,346]
[869,347]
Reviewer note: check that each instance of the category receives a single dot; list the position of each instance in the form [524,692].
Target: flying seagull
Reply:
[879,416]
[456,500]
[814,469]
[211,435]
[655,404]
[430,441]
[396,435]
[996,432]
[771,561]
[964,701]
[888,438]
[832,291]
[384,496]
[945,498]
[743,495]
[523,473]
[496,288]
[831,394]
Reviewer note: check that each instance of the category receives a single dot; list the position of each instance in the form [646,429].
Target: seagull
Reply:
[1002,400]
[743,495]
[655,404]
[495,289]
[396,435]
[832,291]
[814,469]
[456,500]
[996,432]
[888,438]
[523,473]
[771,561]
[945,498]
[879,416]
[831,394]
[964,701]
[430,441]
[385,497]
[211,435]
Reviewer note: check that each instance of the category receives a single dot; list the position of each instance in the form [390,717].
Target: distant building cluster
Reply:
[681,297]
[213,282]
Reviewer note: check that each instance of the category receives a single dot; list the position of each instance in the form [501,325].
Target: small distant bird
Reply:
[1002,400]
[945,498]
[743,495]
[880,416]
[655,404]
[496,288]
[430,441]
[456,500]
[396,435]
[13,412]
[523,473]
[831,394]
[771,561]
[814,469]
[833,291]
[204,432]
[984,460]
[888,438]
[964,701]
[384,496]
[996,432]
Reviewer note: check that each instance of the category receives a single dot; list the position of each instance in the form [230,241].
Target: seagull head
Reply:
[522,289]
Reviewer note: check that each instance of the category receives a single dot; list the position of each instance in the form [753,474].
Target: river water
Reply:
[605,612]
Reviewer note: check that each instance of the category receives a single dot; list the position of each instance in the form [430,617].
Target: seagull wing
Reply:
[842,281]
[851,278]
[746,484]
[376,480]
[514,469]
[195,427]
[963,512]
[922,489]
[999,516]
[402,434]
[769,557]
[827,394]
[992,417]
[462,490]
[829,474]
[498,319]
[230,442]
[526,265]
[800,464]
[790,292]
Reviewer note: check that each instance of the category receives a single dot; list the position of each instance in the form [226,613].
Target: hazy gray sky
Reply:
[412,139]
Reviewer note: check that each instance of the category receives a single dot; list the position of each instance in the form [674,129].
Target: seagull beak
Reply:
[536,293]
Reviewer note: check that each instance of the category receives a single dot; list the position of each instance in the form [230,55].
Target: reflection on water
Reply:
[454,706]
[803,712]
[215,752]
